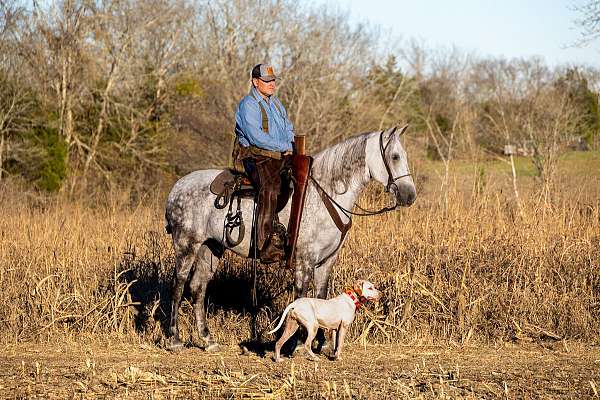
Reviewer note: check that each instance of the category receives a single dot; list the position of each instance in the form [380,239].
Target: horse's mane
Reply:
[336,166]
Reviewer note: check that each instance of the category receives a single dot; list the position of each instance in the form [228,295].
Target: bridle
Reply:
[390,183]
[332,206]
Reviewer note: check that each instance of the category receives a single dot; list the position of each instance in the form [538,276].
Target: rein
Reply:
[391,182]
[345,211]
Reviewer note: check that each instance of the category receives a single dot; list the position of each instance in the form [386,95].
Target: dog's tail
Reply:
[287,309]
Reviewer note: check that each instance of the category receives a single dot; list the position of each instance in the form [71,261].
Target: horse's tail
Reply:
[287,309]
[168,226]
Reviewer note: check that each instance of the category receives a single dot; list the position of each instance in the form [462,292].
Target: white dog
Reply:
[336,314]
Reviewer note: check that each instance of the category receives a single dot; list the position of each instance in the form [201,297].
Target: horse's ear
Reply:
[402,130]
[397,130]
[389,134]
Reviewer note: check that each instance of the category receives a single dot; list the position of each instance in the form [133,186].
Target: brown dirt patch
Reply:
[122,370]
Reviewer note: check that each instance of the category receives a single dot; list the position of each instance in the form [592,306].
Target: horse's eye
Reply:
[395,157]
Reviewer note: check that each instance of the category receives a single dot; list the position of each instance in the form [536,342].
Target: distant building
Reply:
[510,150]
[524,149]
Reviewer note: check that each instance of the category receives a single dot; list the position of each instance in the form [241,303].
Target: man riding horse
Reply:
[265,138]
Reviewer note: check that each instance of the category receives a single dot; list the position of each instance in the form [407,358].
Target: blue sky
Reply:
[508,28]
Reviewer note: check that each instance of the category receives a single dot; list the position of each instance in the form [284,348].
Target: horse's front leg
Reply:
[322,275]
[203,273]
[302,278]
[305,271]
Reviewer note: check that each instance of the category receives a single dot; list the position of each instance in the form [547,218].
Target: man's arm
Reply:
[249,118]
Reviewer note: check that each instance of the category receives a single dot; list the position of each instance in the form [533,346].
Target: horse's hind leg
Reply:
[185,254]
[203,273]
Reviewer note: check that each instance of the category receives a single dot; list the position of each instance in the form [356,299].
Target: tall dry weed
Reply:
[470,268]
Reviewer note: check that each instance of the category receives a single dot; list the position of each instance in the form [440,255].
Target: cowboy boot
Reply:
[280,235]
[272,251]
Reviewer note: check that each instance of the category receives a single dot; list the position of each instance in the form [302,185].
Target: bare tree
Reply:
[54,44]
[137,49]
[135,87]
[550,122]
[15,103]
[319,57]
[523,104]
[589,21]
[503,87]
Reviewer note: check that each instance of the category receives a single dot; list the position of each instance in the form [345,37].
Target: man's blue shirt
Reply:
[248,123]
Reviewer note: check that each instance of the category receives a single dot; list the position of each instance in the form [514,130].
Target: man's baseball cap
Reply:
[263,72]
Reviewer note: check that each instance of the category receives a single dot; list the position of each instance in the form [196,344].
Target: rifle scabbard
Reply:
[301,165]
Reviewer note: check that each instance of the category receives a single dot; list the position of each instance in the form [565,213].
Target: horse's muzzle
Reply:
[406,194]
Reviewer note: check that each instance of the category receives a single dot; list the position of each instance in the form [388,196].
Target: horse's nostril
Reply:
[406,195]
[411,196]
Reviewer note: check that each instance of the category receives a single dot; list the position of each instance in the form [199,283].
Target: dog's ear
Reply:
[358,286]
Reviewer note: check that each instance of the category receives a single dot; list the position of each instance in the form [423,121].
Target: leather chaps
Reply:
[273,190]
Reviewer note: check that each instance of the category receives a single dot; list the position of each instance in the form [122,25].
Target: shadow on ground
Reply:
[237,287]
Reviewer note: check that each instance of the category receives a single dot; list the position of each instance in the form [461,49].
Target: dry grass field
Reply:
[483,298]
[113,369]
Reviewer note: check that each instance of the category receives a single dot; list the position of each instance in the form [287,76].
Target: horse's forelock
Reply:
[336,166]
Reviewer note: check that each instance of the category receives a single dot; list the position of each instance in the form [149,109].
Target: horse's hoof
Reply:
[278,360]
[174,345]
[212,347]
[313,357]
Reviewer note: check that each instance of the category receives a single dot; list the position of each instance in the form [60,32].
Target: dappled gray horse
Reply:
[341,171]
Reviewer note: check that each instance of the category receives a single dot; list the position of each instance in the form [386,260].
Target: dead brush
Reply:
[460,270]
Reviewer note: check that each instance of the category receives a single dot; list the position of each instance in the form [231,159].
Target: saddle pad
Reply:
[227,178]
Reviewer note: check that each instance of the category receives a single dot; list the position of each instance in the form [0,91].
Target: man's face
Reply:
[265,88]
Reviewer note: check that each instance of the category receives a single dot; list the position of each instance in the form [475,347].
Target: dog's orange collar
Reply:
[358,300]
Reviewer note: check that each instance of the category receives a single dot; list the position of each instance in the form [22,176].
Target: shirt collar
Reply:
[256,94]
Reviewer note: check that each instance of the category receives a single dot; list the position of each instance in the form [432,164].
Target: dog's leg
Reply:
[334,341]
[312,332]
[290,328]
[340,341]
